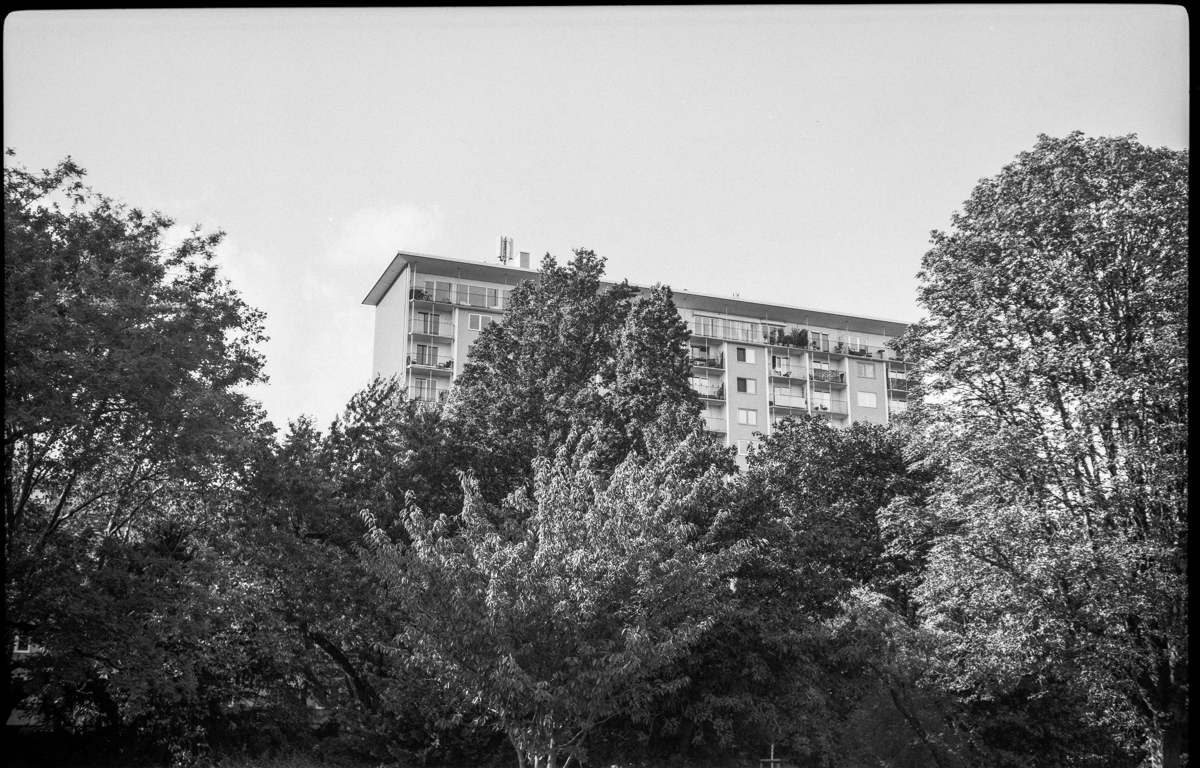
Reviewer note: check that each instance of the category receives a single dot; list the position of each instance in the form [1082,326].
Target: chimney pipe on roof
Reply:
[524,259]
[506,249]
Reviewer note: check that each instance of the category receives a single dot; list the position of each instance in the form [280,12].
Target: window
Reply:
[743,447]
[476,296]
[818,340]
[437,290]
[478,322]
[781,364]
[820,401]
[427,354]
[865,370]
[745,355]
[493,297]
[426,389]
[748,416]
[867,400]
[735,330]
[856,343]
[749,386]
[427,323]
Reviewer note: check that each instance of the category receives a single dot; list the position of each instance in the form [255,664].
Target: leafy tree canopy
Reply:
[1053,363]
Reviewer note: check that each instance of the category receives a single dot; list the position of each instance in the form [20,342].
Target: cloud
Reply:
[319,350]
[369,237]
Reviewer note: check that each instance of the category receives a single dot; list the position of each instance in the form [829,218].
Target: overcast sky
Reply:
[798,155]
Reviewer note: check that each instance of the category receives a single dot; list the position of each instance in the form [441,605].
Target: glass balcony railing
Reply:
[427,327]
[710,391]
[708,361]
[836,407]
[442,296]
[790,336]
[466,295]
[830,377]
[427,395]
[789,401]
[436,362]
[715,424]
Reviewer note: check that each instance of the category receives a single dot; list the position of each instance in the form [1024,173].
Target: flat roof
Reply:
[730,305]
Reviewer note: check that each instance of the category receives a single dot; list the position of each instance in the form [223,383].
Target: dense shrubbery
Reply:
[560,565]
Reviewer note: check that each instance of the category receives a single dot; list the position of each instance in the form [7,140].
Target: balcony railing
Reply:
[831,377]
[709,362]
[715,424]
[441,296]
[433,328]
[710,391]
[437,362]
[465,299]
[799,338]
[732,330]
[779,337]
[897,384]
[783,373]
[837,407]
[789,401]
[423,395]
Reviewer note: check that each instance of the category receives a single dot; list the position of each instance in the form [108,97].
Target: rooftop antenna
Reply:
[506,249]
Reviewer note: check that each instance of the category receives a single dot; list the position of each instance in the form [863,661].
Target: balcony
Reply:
[431,362]
[783,373]
[431,396]
[859,350]
[710,391]
[827,376]
[715,424]
[702,361]
[751,332]
[434,329]
[777,337]
[433,297]
[897,384]
[480,297]
[830,408]
[789,401]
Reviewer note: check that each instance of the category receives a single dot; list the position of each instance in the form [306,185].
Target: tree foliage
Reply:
[1054,375]
[568,354]
[556,619]
[123,362]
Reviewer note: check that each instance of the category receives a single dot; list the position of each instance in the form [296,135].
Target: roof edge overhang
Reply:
[398,264]
[709,302]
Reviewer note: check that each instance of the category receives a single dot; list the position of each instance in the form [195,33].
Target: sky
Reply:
[794,155]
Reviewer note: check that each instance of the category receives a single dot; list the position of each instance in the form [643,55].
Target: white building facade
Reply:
[753,364]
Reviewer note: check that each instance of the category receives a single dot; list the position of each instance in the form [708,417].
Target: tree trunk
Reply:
[915,724]
[1166,747]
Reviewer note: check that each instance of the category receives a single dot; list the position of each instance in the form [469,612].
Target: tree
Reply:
[300,539]
[1053,363]
[123,421]
[569,353]
[556,618]
[789,663]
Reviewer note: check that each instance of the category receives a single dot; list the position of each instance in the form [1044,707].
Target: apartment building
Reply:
[753,364]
